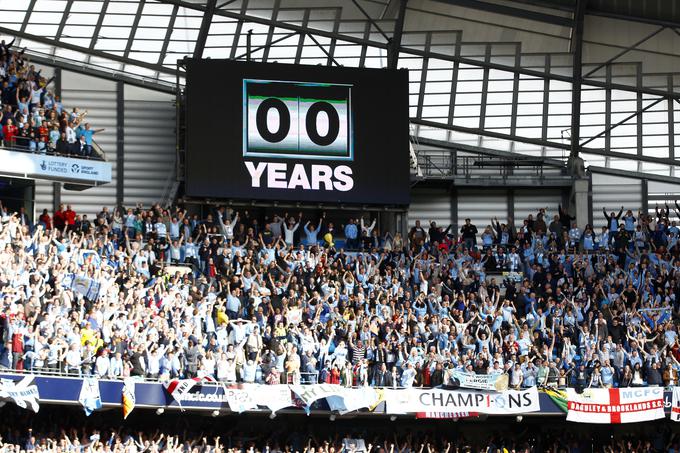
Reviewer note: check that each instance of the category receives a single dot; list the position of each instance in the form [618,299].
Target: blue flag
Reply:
[89,395]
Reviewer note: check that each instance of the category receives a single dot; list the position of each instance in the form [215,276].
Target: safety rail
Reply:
[311,380]
[449,165]
[96,149]
[76,172]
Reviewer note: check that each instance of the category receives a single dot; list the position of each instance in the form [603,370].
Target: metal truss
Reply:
[387,37]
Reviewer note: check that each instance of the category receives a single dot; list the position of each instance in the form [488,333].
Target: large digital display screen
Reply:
[296,133]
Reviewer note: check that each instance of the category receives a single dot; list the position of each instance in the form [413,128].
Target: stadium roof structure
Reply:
[543,78]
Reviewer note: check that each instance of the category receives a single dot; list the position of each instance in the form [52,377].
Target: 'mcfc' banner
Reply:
[624,405]
[295,132]
[443,401]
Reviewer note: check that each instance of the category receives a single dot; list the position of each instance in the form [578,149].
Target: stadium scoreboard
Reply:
[297,133]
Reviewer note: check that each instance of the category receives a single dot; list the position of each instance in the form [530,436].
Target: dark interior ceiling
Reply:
[665,12]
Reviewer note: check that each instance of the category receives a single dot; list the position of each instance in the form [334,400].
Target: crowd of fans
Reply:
[32,116]
[160,293]
[59,429]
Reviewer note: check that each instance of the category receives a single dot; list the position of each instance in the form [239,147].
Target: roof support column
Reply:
[394,44]
[577,75]
[205,28]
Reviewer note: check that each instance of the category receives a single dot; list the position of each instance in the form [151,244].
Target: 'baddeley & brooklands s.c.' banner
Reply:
[295,132]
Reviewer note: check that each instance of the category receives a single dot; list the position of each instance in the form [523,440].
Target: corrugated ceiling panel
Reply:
[44,190]
[612,192]
[149,164]
[480,206]
[430,205]
[530,201]
[98,97]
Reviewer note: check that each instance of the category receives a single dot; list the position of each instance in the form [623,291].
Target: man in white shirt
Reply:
[102,365]
[408,376]
[116,366]
[73,360]
[70,133]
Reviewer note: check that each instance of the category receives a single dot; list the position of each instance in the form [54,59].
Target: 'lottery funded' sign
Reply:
[436,401]
[66,168]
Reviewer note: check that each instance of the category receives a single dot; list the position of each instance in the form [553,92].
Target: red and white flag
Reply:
[178,388]
[624,405]
[675,407]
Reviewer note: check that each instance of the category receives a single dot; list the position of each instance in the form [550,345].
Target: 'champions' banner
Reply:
[437,401]
[624,405]
[492,382]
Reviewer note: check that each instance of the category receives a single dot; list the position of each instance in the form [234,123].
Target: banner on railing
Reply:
[55,389]
[492,382]
[622,405]
[179,388]
[675,405]
[90,397]
[128,398]
[240,400]
[311,393]
[446,415]
[23,393]
[273,397]
[436,401]
[350,400]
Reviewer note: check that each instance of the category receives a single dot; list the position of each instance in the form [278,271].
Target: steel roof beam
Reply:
[370,19]
[64,17]
[577,75]
[417,140]
[395,43]
[454,58]
[512,11]
[547,144]
[626,119]
[133,30]
[86,51]
[131,79]
[633,174]
[98,27]
[623,52]
[168,35]
[29,11]
[205,28]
